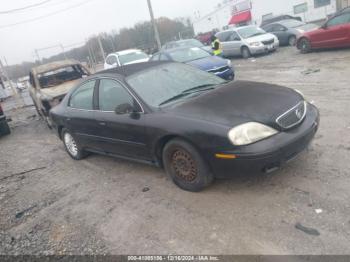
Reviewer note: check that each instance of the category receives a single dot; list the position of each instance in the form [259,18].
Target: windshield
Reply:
[61,75]
[292,23]
[187,55]
[161,83]
[250,31]
[132,57]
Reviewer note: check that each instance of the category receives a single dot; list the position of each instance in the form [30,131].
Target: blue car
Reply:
[199,58]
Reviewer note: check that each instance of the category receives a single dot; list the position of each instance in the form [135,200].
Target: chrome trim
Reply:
[219,68]
[290,110]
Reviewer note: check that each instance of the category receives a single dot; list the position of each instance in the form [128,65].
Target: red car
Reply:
[334,33]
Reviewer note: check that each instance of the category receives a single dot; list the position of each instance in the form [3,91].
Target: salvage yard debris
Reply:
[310,71]
[307,230]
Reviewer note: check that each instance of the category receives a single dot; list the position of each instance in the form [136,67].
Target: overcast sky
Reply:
[17,43]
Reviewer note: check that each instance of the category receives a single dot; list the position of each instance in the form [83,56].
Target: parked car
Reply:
[279,18]
[205,38]
[49,84]
[199,58]
[197,126]
[125,57]
[334,33]
[288,31]
[247,41]
[187,43]
[4,127]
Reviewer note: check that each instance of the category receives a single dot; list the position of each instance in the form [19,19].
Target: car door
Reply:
[230,43]
[335,33]
[281,33]
[120,134]
[81,115]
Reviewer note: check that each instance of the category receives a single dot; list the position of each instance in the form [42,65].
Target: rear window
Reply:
[61,75]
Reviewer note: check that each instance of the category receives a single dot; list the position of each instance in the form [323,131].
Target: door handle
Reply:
[68,119]
[102,123]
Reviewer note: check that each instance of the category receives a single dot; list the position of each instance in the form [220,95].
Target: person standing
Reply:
[216,46]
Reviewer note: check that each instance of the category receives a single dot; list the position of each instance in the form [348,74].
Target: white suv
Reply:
[126,57]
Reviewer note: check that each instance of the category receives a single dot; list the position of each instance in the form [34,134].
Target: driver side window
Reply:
[112,94]
[112,60]
[234,37]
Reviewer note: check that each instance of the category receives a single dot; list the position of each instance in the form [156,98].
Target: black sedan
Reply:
[194,124]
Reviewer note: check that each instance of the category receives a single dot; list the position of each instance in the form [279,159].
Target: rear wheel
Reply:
[292,40]
[186,167]
[245,52]
[305,46]
[4,129]
[72,146]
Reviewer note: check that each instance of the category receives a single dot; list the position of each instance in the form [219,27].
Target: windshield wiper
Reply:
[256,34]
[189,92]
[199,88]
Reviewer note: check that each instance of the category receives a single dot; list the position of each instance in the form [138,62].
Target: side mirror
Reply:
[124,109]
[324,26]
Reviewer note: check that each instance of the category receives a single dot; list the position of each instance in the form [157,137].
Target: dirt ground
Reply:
[98,205]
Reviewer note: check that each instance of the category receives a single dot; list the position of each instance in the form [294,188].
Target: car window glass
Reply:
[155,57]
[223,37]
[112,94]
[339,20]
[267,28]
[82,98]
[163,58]
[277,28]
[111,60]
[234,37]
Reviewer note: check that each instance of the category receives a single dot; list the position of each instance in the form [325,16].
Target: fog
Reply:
[71,22]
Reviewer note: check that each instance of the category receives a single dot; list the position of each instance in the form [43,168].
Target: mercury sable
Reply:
[194,124]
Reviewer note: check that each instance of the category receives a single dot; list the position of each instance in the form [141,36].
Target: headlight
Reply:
[255,44]
[229,63]
[249,133]
[301,31]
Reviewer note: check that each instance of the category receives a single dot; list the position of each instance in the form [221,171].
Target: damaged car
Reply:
[49,84]
[194,124]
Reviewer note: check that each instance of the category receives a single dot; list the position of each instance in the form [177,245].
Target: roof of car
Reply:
[53,66]
[126,52]
[128,70]
[236,28]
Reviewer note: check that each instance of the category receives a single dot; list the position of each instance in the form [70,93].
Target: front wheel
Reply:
[186,167]
[305,46]
[245,52]
[292,40]
[71,145]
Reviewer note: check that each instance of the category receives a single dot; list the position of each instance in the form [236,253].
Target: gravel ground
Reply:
[51,204]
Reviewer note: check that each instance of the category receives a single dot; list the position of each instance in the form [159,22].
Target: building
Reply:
[241,12]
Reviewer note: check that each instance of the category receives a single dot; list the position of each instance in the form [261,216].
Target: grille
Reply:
[268,42]
[219,70]
[293,116]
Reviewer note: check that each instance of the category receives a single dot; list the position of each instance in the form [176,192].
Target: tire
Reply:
[245,52]
[4,129]
[185,166]
[71,145]
[292,40]
[304,46]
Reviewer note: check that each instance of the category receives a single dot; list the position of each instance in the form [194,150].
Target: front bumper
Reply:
[254,50]
[269,154]
[227,75]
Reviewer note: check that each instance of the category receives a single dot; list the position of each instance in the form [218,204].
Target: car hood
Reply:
[208,63]
[59,90]
[259,38]
[138,61]
[239,102]
[307,27]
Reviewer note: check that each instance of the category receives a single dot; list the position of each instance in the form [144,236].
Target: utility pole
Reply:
[37,55]
[101,48]
[63,51]
[155,28]
[14,91]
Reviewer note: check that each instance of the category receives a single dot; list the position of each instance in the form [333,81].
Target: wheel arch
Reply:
[300,39]
[161,143]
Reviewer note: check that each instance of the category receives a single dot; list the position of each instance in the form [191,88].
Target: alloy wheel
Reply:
[70,144]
